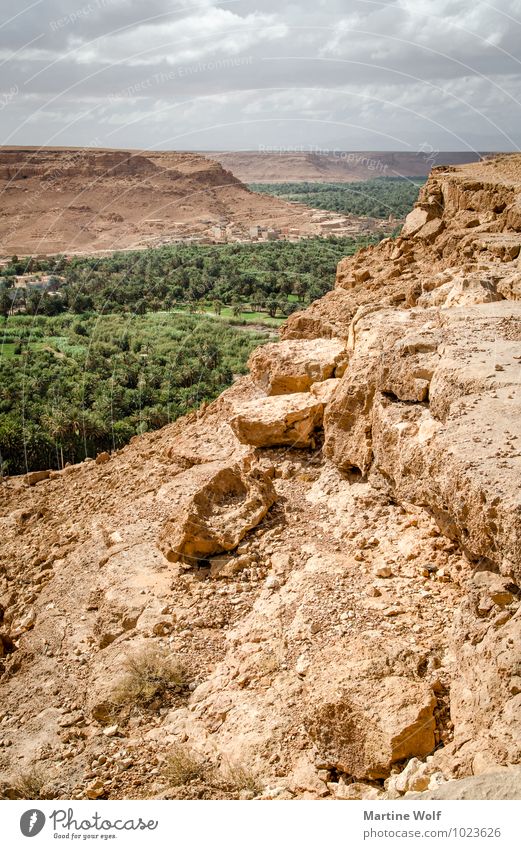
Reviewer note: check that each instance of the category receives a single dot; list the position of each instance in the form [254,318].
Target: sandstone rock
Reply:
[325,390]
[355,790]
[217,504]
[364,732]
[415,776]
[32,478]
[504,784]
[304,777]
[383,571]
[228,566]
[283,367]
[415,221]
[453,444]
[95,790]
[281,420]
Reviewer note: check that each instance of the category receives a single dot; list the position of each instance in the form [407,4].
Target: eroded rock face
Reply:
[364,730]
[500,784]
[280,420]
[390,351]
[283,367]
[218,505]
[432,399]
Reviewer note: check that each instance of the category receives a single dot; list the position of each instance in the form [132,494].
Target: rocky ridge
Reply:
[329,551]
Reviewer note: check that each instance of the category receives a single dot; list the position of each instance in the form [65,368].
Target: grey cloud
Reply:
[239,74]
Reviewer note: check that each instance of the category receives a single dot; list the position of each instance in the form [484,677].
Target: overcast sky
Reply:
[252,74]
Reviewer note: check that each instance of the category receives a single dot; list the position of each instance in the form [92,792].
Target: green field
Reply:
[378,198]
[134,340]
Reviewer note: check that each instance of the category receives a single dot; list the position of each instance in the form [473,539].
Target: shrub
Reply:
[183,765]
[238,777]
[30,783]
[149,675]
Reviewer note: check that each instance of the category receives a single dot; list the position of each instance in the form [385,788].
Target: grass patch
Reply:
[238,777]
[190,773]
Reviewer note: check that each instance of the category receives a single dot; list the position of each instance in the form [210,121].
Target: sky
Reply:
[251,75]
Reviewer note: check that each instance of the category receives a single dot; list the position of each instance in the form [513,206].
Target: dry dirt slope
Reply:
[329,553]
[74,200]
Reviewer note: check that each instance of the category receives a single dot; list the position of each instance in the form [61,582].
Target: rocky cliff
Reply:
[311,588]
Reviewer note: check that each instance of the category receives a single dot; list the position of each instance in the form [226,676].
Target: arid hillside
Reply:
[312,587]
[76,200]
[271,166]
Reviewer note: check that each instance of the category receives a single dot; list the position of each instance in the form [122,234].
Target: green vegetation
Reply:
[129,342]
[230,280]
[378,198]
[73,386]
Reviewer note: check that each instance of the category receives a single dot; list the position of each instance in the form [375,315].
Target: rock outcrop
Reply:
[280,420]
[283,367]
[330,552]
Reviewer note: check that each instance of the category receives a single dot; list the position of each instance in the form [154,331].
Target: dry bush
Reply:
[30,783]
[150,674]
[237,777]
[183,765]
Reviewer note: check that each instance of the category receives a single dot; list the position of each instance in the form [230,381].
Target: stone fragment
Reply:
[365,731]
[216,505]
[95,790]
[32,478]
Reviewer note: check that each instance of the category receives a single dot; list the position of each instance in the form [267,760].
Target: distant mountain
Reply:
[70,200]
[333,166]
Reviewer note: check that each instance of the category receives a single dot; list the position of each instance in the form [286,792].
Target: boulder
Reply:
[365,730]
[502,784]
[284,367]
[32,478]
[415,221]
[279,420]
[216,504]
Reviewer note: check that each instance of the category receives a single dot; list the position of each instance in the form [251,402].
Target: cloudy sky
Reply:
[254,74]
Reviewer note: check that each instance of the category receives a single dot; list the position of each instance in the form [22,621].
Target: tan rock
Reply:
[325,390]
[280,420]
[217,505]
[415,221]
[283,367]
[32,478]
[365,731]
[503,784]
